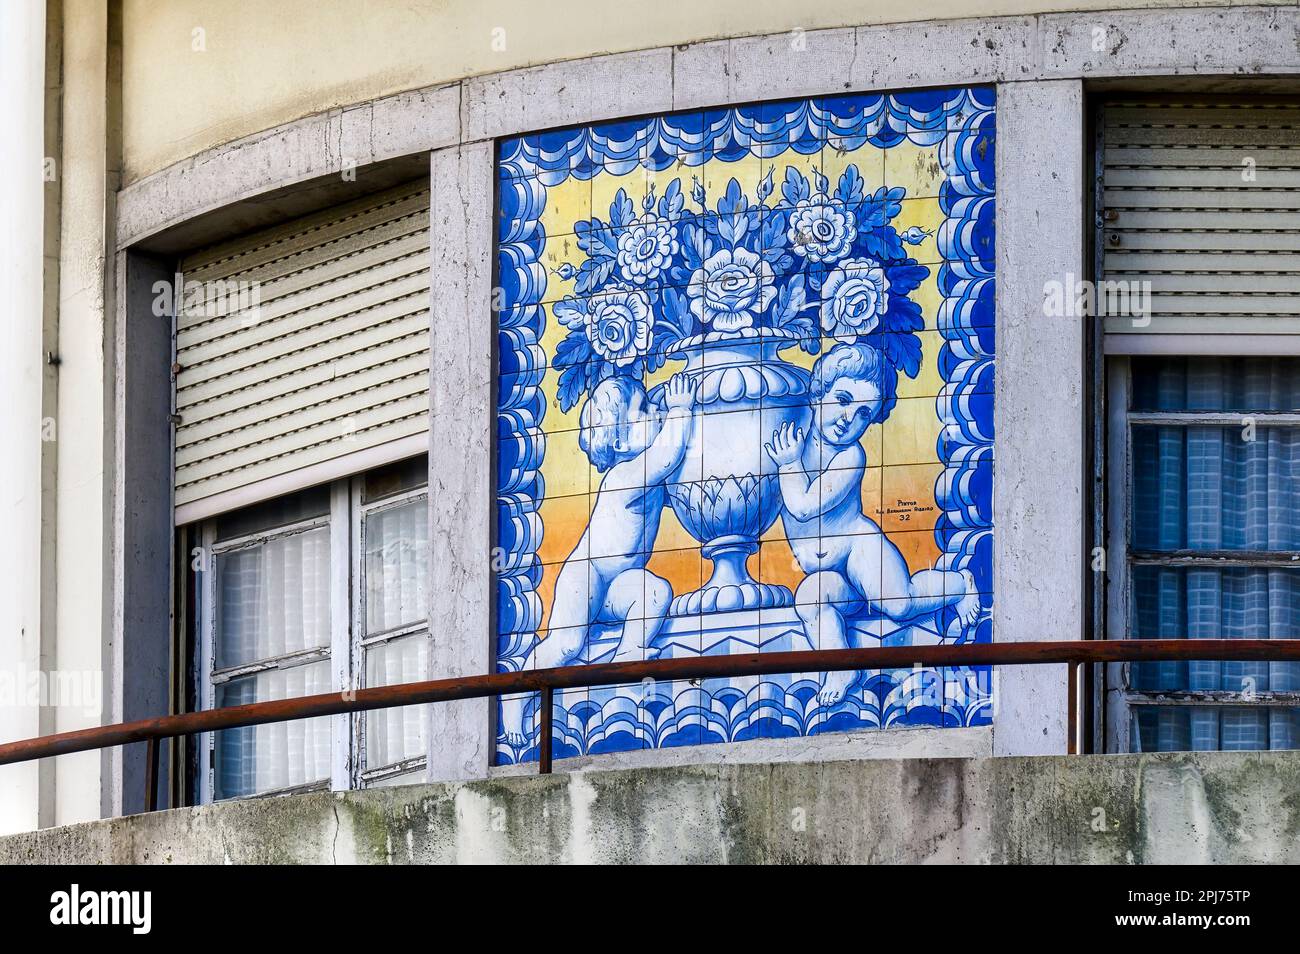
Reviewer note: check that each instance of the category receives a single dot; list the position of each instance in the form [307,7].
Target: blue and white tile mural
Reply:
[745,404]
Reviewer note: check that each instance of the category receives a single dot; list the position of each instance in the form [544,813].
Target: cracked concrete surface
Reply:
[1218,807]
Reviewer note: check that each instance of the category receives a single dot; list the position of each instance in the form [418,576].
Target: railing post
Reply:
[151,775]
[1072,693]
[544,737]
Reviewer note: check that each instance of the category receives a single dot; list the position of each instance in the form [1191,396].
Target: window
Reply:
[1211,538]
[317,592]
[1200,380]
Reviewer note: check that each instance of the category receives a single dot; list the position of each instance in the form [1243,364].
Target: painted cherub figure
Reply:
[637,445]
[850,564]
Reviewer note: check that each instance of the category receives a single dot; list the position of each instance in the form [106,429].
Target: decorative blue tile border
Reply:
[961,123]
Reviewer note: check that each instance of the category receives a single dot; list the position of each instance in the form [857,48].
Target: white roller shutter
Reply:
[303,353]
[1202,200]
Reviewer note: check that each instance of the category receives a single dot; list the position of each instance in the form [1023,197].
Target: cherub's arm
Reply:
[665,452]
[805,496]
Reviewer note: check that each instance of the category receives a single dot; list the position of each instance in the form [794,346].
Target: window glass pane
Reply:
[1211,603]
[1211,488]
[398,733]
[1216,384]
[273,598]
[263,758]
[275,513]
[1208,728]
[395,478]
[396,563]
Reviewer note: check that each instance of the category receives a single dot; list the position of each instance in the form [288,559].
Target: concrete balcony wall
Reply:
[1185,808]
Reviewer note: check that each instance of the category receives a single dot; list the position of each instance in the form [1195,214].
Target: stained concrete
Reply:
[1193,807]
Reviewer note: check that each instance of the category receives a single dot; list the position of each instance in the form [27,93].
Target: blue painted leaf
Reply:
[734,200]
[690,243]
[872,244]
[621,210]
[572,383]
[795,186]
[567,306]
[670,206]
[902,350]
[906,278]
[773,234]
[573,349]
[595,239]
[903,315]
[677,312]
[850,187]
[789,301]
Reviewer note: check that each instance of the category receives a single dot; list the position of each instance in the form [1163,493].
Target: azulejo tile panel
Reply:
[745,404]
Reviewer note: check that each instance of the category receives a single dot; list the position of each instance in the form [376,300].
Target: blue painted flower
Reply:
[646,248]
[854,297]
[618,322]
[820,231]
[731,288]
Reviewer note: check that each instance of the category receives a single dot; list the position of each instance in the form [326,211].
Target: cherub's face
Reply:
[846,410]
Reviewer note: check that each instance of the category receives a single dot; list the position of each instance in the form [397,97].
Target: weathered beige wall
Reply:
[257,64]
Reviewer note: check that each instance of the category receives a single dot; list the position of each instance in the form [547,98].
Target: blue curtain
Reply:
[1206,488]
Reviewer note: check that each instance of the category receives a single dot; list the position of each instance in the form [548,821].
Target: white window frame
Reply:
[346,524]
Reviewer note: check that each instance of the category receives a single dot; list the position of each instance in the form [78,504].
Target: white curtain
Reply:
[396,565]
[272,600]
[397,543]
[398,733]
[1234,488]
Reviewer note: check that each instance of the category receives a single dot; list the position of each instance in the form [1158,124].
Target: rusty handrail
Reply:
[1074,653]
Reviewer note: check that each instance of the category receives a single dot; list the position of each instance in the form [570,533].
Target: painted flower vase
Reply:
[726,493]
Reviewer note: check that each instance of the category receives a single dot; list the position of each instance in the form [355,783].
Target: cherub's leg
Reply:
[903,595]
[640,600]
[822,601]
[571,614]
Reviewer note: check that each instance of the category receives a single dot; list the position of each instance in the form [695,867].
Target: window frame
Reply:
[363,776]
[345,523]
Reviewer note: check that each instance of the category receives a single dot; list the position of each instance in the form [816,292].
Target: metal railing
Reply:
[1073,654]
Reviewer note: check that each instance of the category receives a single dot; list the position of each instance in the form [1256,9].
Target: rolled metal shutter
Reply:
[303,351]
[1202,200]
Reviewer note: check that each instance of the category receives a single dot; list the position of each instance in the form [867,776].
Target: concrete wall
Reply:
[1170,809]
[24,454]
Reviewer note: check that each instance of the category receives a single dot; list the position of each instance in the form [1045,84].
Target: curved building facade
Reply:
[443,339]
